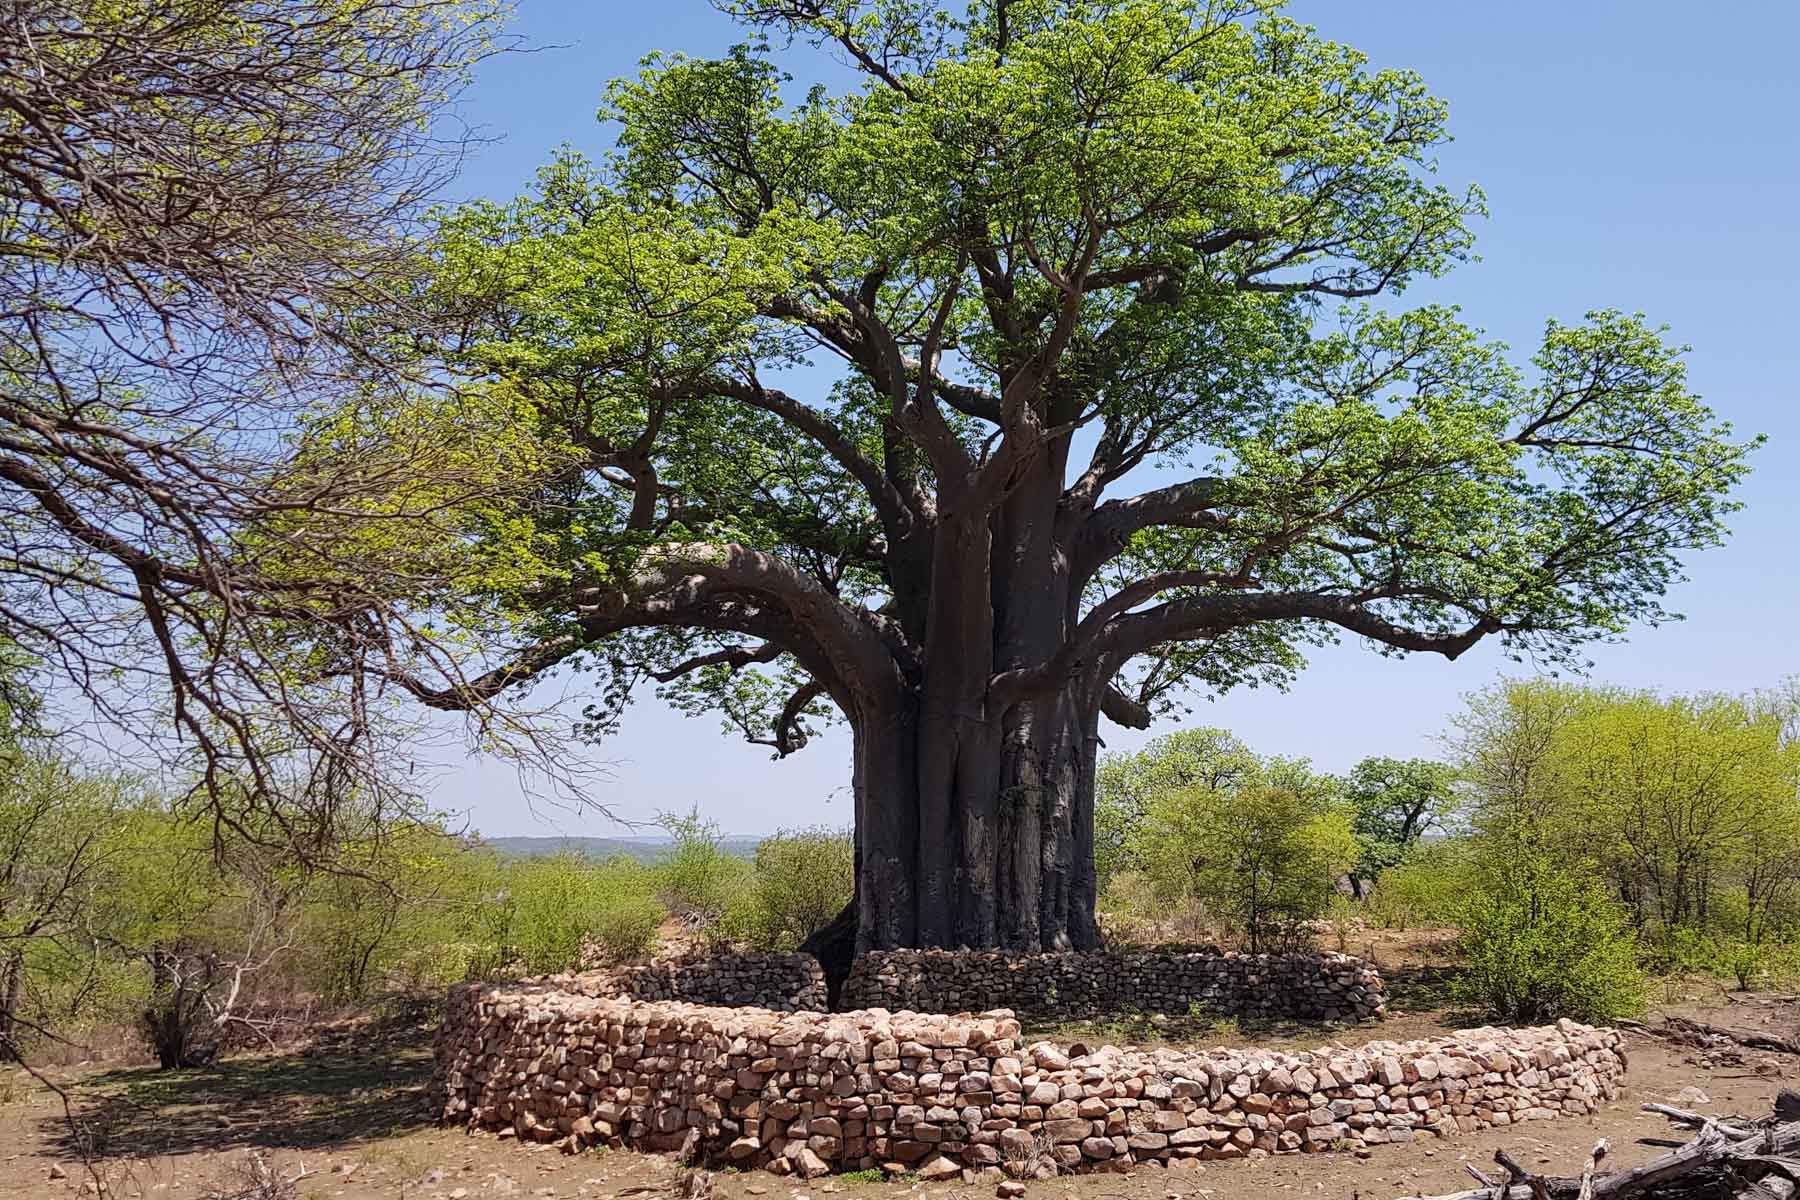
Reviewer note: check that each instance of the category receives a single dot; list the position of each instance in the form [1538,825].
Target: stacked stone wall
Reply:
[781,982]
[1310,987]
[808,1093]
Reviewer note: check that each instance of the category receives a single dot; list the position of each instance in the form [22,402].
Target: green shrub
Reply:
[552,905]
[1544,943]
[1342,915]
[800,881]
[1263,860]
[1428,888]
[1747,962]
[698,880]
[1129,909]
[623,926]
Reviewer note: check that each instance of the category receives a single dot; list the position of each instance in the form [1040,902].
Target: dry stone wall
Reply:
[1312,987]
[808,1093]
[782,982]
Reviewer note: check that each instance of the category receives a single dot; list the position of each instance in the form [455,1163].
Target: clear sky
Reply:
[1641,154]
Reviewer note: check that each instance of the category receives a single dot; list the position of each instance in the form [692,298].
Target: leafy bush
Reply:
[800,881]
[698,880]
[1265,860]
[1343,915]
[551,905]
[1130,912]
[1429,887]
[623,925]
[1747,962]
[1544,943]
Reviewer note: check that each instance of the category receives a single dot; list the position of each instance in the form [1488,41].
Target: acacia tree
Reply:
[1024,384]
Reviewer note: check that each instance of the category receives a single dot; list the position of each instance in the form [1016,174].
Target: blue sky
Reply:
[1635,154]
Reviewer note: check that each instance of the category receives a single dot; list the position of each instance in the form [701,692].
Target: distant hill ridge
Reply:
[644,849]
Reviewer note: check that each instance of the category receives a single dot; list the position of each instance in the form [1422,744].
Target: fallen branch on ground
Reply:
[1698,1033]
[1737,1158]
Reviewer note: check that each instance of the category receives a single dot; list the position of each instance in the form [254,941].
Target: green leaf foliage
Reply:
[1154,233]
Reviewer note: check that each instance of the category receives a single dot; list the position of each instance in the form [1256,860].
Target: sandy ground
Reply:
[346,1118]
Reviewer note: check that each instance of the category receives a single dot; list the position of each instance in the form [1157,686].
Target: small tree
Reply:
[1545,942]
[1264,858]
[209,925]
[1126,785]
[1396,803]
[60,854]
[1687,806]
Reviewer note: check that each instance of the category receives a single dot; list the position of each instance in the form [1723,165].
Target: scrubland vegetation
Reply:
[122,922]
[1580,838]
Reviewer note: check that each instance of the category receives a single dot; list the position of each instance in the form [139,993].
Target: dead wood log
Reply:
[1761,1164]
[1595,1156]
[1754,1039]
[1698,1120]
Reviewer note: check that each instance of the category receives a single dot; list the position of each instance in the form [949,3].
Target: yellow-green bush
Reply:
[1543,943]
[1428,887]
[799,881]
[550,906]
[698,880]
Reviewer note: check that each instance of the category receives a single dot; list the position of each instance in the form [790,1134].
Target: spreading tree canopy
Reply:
[1053,371]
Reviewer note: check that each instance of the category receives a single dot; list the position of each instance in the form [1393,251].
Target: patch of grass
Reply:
[866,1175]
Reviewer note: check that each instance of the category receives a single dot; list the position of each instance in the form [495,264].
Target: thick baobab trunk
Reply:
[975,816]
[1002,858]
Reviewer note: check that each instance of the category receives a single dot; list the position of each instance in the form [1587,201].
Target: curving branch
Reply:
[790,735]
[1191,504]
[718,586]
[897,512]
[1134,633]
[735,657]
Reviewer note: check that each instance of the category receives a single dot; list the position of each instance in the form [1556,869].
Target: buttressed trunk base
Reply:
[1001,858]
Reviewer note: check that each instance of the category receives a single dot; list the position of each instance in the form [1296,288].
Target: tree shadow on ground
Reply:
[297,1101]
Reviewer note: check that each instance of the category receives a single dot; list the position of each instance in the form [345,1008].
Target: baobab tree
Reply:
[1036,379]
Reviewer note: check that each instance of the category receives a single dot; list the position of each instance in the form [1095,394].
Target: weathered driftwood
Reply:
[1698,1120]
[1723,1159]
[1699,1033]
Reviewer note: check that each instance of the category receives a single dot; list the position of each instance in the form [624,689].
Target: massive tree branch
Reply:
[702,585]
[1133,633]
[1108,530]
[1112,636]
[1121,709]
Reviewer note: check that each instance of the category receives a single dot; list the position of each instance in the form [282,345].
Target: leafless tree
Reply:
[205,209]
